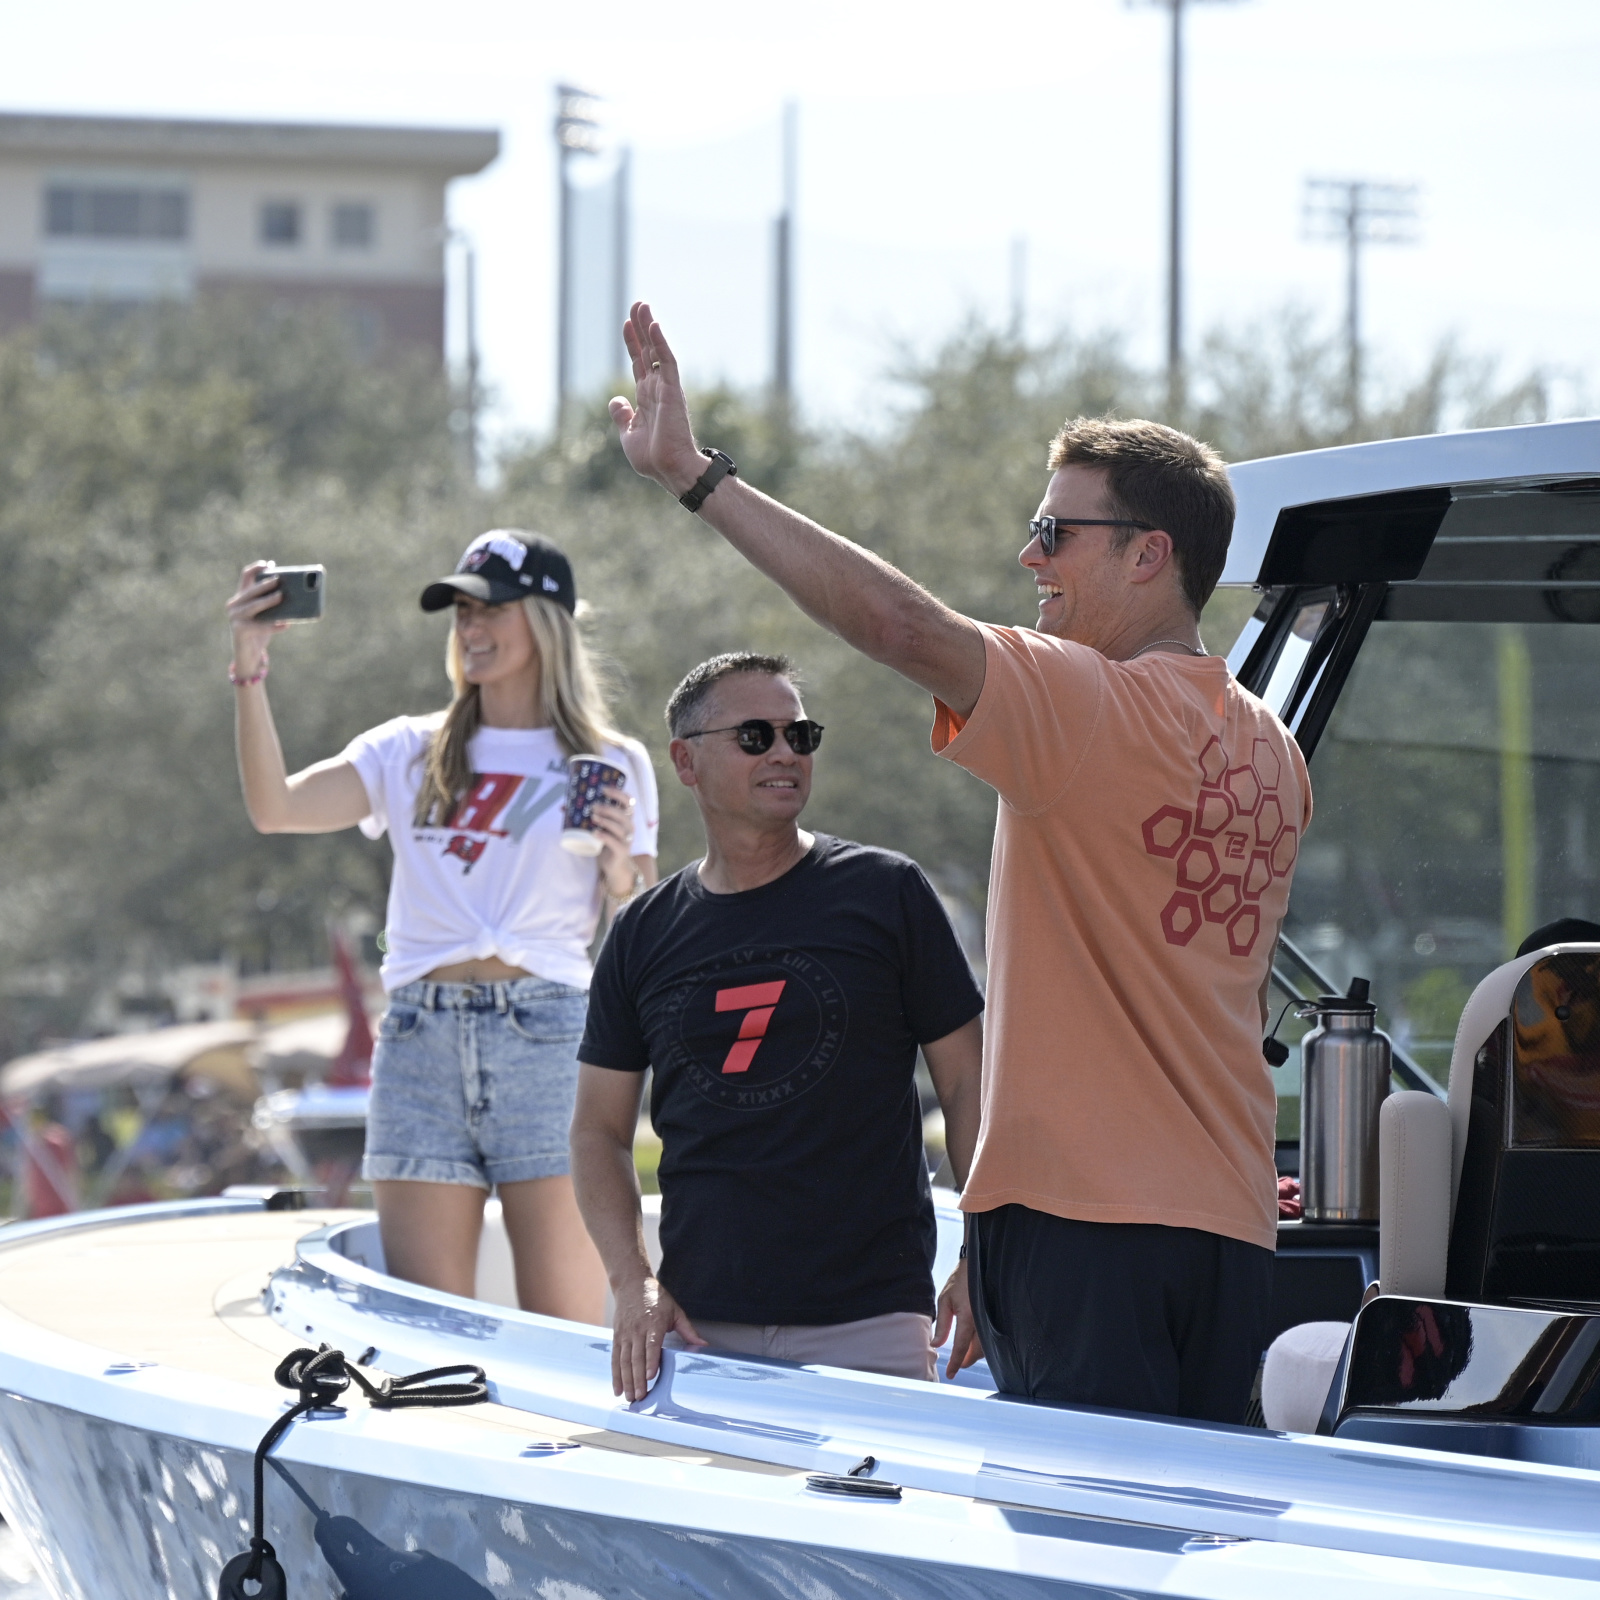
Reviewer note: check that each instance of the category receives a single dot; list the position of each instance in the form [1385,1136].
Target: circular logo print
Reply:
[757,1028]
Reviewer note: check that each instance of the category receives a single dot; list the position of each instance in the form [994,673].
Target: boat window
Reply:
[1457,794]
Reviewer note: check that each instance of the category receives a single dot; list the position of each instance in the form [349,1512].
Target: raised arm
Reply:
[323,798]
[853,593]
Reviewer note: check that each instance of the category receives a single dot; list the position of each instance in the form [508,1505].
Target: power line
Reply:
[1357,212]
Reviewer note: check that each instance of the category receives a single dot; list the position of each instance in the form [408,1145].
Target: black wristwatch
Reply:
[721,467]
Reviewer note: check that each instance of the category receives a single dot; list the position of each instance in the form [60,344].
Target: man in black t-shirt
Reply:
[778,990]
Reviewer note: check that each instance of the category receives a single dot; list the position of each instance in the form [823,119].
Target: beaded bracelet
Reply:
[244,683]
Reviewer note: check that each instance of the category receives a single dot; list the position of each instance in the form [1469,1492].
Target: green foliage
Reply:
[144,460]
[1434,1002]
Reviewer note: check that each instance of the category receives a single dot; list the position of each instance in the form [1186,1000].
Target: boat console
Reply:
[1507,1357]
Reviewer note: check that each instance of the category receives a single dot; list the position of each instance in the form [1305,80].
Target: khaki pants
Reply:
[898,1344]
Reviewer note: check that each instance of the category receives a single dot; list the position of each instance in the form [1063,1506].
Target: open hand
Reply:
[656,436]
[645,1315]
[955,1305]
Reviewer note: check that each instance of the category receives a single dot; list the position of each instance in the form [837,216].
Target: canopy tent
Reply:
[219,1050]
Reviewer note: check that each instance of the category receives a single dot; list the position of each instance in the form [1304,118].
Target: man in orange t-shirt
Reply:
[1122,1201]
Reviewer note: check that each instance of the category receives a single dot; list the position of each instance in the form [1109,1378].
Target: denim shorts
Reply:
[475,1082]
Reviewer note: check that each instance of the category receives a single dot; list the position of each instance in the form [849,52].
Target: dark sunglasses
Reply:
[756,735]
[1050,530]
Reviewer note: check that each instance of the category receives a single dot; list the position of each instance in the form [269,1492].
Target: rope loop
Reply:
[322,1377]
[426,1388]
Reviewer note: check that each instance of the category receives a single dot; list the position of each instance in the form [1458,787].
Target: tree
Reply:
[144,460]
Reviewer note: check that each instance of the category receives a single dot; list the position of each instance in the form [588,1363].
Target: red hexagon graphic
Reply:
[1213,763]
[1245,788]
[1269,821]
[1257,875]
[1244,930]
[1265,760]
[1166,830]
[1222,899]
[1284,852]
[1197,866]
[1212,813]
[1181,919]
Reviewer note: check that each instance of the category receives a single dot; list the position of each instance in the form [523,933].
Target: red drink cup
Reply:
[587,778]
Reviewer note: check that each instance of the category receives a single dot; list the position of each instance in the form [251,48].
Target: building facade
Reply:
[125,210]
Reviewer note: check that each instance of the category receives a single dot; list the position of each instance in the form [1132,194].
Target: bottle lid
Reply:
[1356,1000]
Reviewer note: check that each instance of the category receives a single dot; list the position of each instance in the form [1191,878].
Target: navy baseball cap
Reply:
[506,564]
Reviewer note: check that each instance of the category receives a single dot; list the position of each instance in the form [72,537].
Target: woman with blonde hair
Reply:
[489,919]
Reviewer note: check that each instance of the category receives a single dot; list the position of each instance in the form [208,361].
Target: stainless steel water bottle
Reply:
[1345,1062]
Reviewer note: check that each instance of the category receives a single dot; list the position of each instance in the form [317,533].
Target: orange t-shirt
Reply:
[1150,815]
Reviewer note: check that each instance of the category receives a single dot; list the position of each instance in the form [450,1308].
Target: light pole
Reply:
[622,245]
[783,267]
[577,133]
[1176,394]
[1355,211]
[469,297]
[1019,288]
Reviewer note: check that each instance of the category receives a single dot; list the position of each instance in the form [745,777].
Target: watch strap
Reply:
[721,467]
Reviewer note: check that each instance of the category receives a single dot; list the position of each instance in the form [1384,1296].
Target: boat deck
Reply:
[186,1293]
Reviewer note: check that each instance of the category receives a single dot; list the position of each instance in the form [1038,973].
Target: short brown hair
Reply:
[1157,475]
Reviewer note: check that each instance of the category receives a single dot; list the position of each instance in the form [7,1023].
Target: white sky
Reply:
[931,135]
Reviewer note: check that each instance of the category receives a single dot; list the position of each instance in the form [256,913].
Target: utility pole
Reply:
[1354,212]
[577,133]
[783,268]
[622,244]
[1176,389]
[1019,288]
[469,308]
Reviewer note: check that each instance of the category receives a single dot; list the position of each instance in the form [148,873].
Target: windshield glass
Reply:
[1457,808]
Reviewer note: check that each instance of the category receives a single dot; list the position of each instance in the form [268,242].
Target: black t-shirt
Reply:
[782,1026]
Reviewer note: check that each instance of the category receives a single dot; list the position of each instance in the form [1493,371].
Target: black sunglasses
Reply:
[1049,530]
[756,735]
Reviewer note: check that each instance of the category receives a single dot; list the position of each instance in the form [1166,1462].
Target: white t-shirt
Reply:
[496,881]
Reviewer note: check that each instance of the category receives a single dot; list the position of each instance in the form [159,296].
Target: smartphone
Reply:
[302,589]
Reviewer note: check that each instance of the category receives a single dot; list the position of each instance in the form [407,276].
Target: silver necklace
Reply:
[1154,642]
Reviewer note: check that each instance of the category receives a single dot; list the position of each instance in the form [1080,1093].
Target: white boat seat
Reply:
[1298,1373]
[1422,1143]
[1414,1175]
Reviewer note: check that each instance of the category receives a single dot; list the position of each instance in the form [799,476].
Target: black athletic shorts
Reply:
[1134,1316]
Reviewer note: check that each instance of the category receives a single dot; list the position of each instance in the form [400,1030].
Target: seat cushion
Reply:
[1298,1374]
[1414,1174]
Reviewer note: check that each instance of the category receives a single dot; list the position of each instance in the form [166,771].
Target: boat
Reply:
[1430,1401]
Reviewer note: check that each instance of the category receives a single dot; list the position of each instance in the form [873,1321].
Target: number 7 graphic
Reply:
[758,1001]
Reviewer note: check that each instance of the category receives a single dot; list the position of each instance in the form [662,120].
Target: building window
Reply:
[280,222]
[83,211]
[353,227]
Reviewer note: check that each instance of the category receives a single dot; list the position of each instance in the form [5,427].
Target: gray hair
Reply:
[689,698]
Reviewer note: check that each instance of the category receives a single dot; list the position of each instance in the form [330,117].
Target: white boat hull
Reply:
[133,1481]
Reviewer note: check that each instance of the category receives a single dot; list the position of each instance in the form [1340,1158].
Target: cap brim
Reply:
[443,593]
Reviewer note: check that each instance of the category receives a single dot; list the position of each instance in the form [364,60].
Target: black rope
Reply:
[322,1377]
[1272,1047]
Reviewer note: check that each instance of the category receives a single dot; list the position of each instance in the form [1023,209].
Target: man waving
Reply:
[1122,1201]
